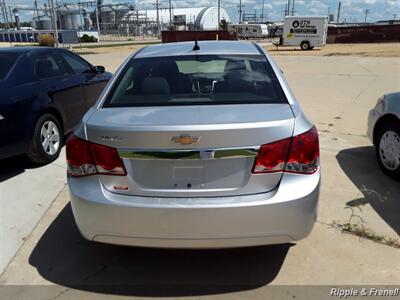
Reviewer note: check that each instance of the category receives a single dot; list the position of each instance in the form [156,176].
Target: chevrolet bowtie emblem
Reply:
[186,139]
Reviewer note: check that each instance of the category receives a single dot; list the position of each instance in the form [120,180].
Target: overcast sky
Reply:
[352,10]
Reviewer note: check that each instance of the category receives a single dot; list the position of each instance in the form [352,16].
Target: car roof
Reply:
[26,49]
[206,47]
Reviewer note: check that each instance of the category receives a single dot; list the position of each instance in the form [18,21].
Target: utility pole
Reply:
[80,14]
[11,24]
[366,12]
[219,14]
[157,6]
[338,12]
[262,11]
[240,11]
[37,11]
[54,15]
[97,21]
[170,13]
[5,14]
[394,17]
[293,11]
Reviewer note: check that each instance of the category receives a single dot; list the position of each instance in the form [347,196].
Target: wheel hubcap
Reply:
[389,150]
[50,137]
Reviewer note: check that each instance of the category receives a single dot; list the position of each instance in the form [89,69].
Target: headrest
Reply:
[44,68]
[165,68]
[234,65]
[155,86]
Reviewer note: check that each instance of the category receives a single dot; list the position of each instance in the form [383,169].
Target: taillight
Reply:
[85,158]
[299,154]
[304,153]
[272,157]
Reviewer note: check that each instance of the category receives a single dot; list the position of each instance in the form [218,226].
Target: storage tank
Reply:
[44,24]
[68,19]
[204,18]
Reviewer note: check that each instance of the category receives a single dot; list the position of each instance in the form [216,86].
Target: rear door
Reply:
[93,82]
[197,143]
[64,89]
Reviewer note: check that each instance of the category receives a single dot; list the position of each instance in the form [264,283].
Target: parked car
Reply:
[44,94]
[384,132]
[191,148]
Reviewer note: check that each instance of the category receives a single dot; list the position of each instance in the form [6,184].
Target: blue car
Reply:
[44,93]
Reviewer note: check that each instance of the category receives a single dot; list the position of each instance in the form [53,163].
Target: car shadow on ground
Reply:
[13,166]
[379,190]
[63,257]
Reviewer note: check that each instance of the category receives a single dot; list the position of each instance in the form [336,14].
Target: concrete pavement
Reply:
[26,192]
[336,93]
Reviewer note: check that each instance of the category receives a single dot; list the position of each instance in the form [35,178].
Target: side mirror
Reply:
[99,69]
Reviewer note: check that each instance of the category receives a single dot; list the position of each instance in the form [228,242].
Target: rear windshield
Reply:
[196,80]
[7,60]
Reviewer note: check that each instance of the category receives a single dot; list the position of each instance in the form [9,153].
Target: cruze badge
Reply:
[186,139]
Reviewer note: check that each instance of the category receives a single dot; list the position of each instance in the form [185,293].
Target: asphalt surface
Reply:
[43,246]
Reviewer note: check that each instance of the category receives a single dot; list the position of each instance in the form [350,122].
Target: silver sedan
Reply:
[195,146]
[384,132]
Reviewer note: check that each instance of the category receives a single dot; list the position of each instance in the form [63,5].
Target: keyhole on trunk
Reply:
[189,186]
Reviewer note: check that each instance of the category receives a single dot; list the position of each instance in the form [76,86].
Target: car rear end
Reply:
[202,150]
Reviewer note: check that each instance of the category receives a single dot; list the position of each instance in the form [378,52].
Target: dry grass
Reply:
[360,50]
[365,232]
[363,50]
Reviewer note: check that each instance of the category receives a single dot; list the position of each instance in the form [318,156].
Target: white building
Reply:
[204,18]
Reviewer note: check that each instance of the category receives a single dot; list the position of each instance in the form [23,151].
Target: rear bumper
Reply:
[284,215]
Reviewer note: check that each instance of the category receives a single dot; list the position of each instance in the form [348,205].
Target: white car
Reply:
[384,132]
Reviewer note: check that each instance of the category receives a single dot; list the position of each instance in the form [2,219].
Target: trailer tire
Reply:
[305,45]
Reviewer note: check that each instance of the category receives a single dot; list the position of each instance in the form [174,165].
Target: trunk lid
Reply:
[190,151]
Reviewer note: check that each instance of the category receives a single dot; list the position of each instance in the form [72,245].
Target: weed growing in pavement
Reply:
[359,229]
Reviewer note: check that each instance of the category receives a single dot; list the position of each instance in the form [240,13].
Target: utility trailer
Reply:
[306,32]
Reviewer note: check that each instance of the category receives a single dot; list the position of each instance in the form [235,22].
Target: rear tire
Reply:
[47,140]
[305,45]
[388,149]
